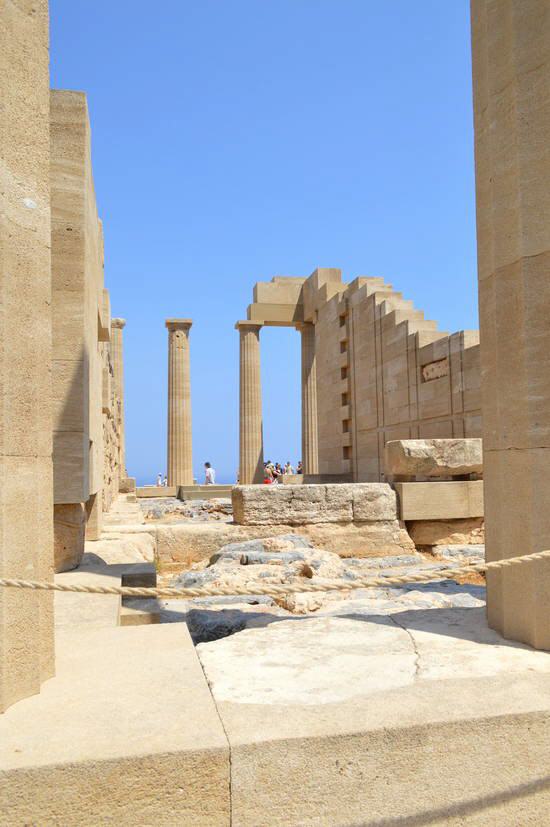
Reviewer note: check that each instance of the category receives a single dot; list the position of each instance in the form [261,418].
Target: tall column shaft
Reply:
[310,443]
[117,355]
[251,446]
[511,79]
[180,452]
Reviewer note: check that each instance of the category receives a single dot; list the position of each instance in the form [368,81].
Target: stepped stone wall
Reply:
[383,371]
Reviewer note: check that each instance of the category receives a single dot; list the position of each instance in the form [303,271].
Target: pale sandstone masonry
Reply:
[383,372]
[180,449]
[511,72]
[310,437]
[309,504]
[117,353]
[26,489]
[88,414]
[433,457]
[251,444]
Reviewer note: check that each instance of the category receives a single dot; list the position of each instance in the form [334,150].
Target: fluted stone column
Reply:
[511,74]
[310,446]
[251,443]
[180,455]
[117,326]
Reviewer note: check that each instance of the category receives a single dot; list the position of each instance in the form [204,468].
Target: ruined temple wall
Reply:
[86,433]
[26,489]
[331,391]
[384,372]
[111,404]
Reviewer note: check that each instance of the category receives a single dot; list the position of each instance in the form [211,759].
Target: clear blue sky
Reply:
[234,140]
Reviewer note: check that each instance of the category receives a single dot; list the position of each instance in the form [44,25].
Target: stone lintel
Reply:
[178,324]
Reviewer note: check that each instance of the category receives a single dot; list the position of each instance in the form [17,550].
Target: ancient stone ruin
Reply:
[367,643]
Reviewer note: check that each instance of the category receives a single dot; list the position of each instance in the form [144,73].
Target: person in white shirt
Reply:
[210,474]
[159,479]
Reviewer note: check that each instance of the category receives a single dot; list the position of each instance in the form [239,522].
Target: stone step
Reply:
[139,611]
[204,492]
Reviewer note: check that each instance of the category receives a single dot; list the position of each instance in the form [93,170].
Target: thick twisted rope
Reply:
[276,589]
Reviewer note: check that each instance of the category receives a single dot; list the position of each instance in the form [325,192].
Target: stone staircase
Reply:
[125,510]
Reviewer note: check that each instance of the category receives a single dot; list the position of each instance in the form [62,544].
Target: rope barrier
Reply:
[275,589]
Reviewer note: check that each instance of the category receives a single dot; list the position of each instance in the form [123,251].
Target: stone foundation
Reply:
[181,544]
[447,532]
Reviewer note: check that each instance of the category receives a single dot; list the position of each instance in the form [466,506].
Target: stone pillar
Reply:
[117,355]
[310,448]
[251,441]
[180,454]
[511,79]
[26,484]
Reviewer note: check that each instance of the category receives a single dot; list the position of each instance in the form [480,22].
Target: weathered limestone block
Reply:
[127,485]
[440,500]
[69,529]
[309,504]
[373,501]
[447,532]
[433,457]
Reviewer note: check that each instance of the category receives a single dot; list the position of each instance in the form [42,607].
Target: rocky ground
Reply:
[172,510]
[291,559]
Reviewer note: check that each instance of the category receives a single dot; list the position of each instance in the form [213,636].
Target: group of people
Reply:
[209,476]
[274,470]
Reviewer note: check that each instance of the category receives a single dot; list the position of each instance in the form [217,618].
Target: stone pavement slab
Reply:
[126,733]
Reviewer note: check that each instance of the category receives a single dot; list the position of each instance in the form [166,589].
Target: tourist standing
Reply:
[209,474]
[159,479]
[300,469]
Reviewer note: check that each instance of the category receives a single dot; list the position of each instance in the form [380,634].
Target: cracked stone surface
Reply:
[330,659]
[354,645]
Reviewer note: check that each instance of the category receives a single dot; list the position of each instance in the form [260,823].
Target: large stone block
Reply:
[69,529]
[306,504]
[433,457]
[272,505]
[440,500]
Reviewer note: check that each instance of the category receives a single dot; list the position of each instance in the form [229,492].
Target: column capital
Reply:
[248,325]
[178,324]
[120,323]
[302,326]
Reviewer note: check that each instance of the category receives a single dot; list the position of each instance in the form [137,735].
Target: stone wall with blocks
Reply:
[380,371]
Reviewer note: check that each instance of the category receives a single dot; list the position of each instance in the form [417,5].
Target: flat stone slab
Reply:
[424,717]
[338,658]
[433,457]
[126,732]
